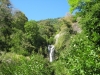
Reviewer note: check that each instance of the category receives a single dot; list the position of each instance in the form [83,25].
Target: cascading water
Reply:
[51,49]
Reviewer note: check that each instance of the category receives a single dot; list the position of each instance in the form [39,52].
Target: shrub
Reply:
[83,58]
[19,65]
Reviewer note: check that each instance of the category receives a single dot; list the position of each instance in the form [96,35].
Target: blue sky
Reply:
[42,9]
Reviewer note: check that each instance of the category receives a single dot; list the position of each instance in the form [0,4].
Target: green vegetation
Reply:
[23,43]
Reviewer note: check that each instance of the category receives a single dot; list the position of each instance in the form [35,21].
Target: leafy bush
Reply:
[60,67]
[19,65]
[83,58]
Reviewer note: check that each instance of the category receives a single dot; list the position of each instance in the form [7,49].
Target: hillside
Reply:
[68,45]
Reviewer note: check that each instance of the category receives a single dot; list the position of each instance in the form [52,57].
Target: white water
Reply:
[56,38]
[51,52]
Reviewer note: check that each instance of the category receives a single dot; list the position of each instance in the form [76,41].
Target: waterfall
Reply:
[56,38]
[51,49]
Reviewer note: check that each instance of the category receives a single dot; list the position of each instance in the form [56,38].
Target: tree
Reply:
[5,24]
[19,20]
[87,44]
[89,12]
[31,35]
[78,4]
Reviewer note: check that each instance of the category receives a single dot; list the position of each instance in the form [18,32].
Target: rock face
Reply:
[51,49]
[76,27]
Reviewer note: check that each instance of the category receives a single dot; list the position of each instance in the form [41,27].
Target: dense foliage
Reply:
[84,52]
[23,43]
